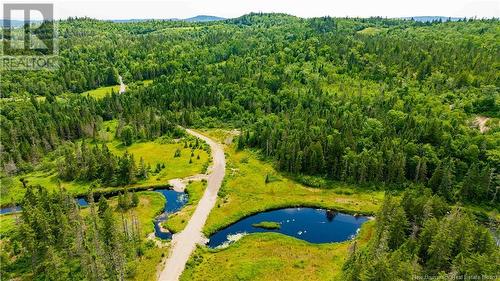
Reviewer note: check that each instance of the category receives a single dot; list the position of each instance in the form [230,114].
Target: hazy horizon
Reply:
[155,9]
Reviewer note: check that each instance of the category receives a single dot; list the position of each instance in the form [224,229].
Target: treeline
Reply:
[90,163]
[54,241]
[389,138]
[448,55]
[321,96]
[422,236]
[93,53]
[31,129]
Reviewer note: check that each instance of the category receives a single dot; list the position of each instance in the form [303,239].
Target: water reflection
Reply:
[309,224]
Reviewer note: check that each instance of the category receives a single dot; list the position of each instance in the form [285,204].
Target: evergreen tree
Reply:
[103,206]
[135,200]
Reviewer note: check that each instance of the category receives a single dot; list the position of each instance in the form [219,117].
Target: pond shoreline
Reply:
[314,225]
[367,214]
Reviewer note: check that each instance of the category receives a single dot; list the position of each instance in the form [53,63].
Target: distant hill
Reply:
[203,18]
[200,18]
[207,18]
[432,18]
[15,23]
[130,20]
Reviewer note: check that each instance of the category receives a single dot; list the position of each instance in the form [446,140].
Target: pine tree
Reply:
[103,206]
[127,135]
[135,200]
[142,171]
[468,190]
[114,251]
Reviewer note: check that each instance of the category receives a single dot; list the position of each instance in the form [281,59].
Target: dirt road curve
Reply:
[122,86]
[481,123]
[184,243]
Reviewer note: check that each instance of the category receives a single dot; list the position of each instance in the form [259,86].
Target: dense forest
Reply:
[56,242]
[377,103]
[423,236]
[363,101]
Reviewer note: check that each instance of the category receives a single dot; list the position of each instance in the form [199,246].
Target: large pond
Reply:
[175,201]
[309,224]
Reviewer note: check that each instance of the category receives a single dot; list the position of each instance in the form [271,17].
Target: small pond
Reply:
[82,202]
[175,201]
[10,210]
[309,224]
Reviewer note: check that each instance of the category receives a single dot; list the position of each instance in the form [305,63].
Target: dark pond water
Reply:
[309,224]
[175,201]
[10,210]
[82,202]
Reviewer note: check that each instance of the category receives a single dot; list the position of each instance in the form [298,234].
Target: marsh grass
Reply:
[267,225]
[245,192]
[267,256]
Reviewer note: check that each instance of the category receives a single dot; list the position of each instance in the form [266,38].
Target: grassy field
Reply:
[220,135]
[245,192]
[144,83]
[157,152]
[7,224]
[101,92]
[177,221]
[13,191]
[146,266]
[266,256]
[152,152]
[371,30]
[150,205]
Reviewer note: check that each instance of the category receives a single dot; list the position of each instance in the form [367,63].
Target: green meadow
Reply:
[264,256]
[7,224]
[245,192]
[371,30]
[160,151]
[101,92]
